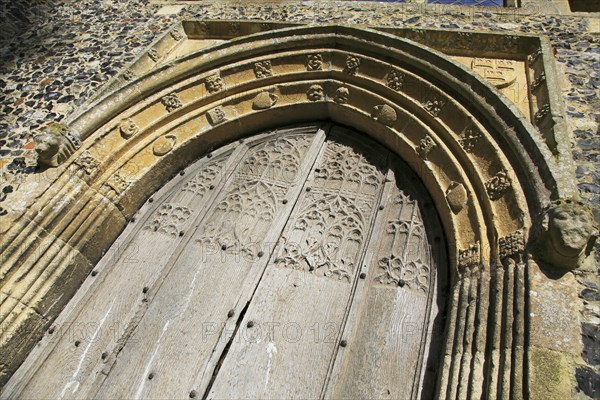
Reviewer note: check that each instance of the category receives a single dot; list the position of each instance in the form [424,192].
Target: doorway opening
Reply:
[304,262]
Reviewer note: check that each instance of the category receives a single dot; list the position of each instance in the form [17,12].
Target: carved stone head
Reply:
[214,83]
[315,93]
[341,95]
[567,233]
[55,146]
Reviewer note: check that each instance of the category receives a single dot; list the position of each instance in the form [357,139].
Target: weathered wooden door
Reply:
[295,265]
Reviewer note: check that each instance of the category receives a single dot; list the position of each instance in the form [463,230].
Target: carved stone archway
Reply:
[486,168]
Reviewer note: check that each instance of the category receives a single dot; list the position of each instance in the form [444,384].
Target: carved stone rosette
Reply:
[469,139]
[497,185]
[512,246]
[153,54]
[214,83]
[87,162]
[263,69]
[171,102]
[425,146]
[395,80]
[434,106]
[216,116]
[128,75]
[116,185]
[539,81]
[542,114]
[314,62]
[176,34]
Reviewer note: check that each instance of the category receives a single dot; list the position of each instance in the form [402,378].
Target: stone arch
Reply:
[486,168]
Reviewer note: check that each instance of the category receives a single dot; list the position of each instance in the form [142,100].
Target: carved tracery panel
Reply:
[243,216]
[329,230]
[394,300]
[407,262]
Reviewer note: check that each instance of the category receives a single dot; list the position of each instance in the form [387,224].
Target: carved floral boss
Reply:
[415,274]
[169,219]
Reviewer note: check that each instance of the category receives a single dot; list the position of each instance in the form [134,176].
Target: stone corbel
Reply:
[56,145]
[566,234]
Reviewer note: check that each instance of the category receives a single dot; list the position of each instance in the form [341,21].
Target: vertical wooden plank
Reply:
[205,376]
[290,332]
[434,334]
[188,321]
[91,330]
[358,304]
[385,332]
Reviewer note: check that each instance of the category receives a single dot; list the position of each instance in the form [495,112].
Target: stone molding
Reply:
[81,211]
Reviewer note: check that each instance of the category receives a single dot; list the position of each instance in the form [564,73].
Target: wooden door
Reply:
[294,265]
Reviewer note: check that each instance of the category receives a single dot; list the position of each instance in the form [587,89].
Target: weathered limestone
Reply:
[566,234]
[488,169]
[56,145]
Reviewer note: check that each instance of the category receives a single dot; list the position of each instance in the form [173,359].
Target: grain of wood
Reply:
[385,332]
[187,323]
[101,318]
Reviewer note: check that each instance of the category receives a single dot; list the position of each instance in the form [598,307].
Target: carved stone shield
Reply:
[500,73]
